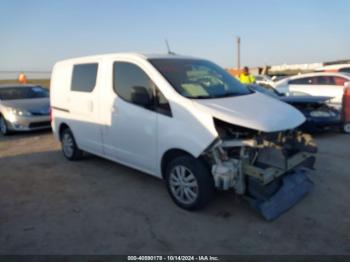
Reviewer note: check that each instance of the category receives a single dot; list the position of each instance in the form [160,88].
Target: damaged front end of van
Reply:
[267,167]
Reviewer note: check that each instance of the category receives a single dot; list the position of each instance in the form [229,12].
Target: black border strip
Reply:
[174,258]
[60,109]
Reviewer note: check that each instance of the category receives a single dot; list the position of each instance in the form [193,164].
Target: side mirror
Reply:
[140,96]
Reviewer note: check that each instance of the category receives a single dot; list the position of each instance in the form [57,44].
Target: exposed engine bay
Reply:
[249,161]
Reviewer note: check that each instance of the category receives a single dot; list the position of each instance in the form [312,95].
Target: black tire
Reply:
[67,140]
[3,126]
[195,170]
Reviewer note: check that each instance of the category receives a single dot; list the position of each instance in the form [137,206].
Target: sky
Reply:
[34,34]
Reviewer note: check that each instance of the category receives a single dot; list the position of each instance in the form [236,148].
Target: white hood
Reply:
[255,111]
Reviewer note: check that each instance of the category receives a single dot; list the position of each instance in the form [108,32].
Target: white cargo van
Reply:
[182,119]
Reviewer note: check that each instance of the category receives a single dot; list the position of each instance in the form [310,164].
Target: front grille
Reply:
[39,124]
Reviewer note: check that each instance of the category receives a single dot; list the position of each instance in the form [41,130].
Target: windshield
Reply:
[195,78]
[23,92]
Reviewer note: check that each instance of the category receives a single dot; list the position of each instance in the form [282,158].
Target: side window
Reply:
[84,77]
[126,76]
[302,81]
[324,80]
[345,70]
[339,81]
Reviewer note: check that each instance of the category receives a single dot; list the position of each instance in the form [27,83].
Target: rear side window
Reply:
[84,77]
[302,81]
[324,80]
[339,81]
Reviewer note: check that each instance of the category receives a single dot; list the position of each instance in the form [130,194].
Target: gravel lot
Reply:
[49,205]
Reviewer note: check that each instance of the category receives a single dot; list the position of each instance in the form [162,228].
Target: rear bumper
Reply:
[30,123]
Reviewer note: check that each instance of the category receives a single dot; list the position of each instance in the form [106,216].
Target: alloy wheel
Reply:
[183,185]
[68,145]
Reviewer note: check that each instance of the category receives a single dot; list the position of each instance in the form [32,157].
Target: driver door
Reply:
[131,137]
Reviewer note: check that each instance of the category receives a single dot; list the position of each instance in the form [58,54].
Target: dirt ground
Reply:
[49,205]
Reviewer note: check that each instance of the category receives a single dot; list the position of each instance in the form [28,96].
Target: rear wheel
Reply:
[3,126]
[189,182]
[70,149]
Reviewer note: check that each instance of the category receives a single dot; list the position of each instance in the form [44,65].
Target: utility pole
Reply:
[238,53]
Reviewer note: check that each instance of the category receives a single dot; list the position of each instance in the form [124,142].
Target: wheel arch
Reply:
[169,155]
[63,126]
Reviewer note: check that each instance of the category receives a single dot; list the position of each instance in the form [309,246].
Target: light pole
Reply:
[238,52]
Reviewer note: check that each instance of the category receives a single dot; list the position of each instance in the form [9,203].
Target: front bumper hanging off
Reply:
[274,190]
[274,179]
[273,200]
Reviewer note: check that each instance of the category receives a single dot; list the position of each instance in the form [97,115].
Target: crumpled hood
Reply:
[255,111]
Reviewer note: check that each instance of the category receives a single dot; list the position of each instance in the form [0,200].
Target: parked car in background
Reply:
[319,116]
[341,68]
[264,80]
[316,84]
[277,78]
[24,108]
[346,110]
[187,121]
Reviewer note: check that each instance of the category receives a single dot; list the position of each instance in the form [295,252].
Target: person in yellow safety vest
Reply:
[245,77]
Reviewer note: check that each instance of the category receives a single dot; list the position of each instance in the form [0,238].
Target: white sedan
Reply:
[263,80]
[316,84]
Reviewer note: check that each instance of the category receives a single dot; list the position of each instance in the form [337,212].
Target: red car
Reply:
[346,110]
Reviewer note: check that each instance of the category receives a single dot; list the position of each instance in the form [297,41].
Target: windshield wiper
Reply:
[201,97]
[226,95]
[214,96]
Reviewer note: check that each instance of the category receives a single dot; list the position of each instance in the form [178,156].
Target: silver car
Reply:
[24,108]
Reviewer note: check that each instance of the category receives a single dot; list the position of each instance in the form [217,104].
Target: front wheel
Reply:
[346,128]
[69,147]
[189,182]
[3,126]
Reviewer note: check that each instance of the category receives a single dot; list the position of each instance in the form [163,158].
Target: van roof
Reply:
[129,55]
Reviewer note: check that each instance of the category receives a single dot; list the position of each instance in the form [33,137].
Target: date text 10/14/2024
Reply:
[173,258]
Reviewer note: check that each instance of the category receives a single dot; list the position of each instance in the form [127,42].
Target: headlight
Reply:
[318,113]
[19,112]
